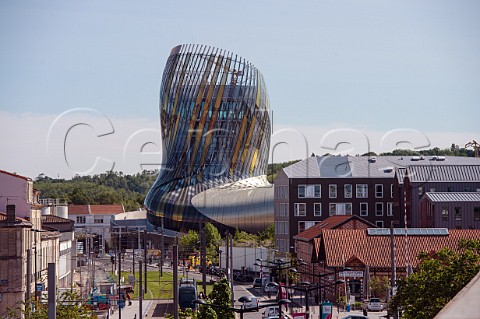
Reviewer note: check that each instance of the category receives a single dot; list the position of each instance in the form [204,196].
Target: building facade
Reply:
[459,210]
[215,127]
[15,264]
[93,222]
[314,189]
[305,243]
[450,174]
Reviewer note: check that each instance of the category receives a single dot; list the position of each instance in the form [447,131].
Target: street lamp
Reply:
[307,287]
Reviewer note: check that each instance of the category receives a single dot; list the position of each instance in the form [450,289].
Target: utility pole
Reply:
[392,257]
[175,280]
[140,296]
[162,249]
[52,291]
[29,277]
[204,259]
[145,254]
[119,270]
[231,272]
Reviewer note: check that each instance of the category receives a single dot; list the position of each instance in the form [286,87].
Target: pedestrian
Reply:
[129,299]
[365,313]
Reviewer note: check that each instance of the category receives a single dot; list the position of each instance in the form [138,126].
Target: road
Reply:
[158,308]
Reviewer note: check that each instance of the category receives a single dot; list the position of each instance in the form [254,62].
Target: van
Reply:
[270,311]
[251,304]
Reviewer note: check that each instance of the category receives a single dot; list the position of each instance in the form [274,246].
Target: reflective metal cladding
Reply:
[215,127]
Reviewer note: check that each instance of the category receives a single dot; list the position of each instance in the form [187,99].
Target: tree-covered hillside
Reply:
[107,188]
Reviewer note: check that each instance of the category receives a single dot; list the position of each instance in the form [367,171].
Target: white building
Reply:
[93,220]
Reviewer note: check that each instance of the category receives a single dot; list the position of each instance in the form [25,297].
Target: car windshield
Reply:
[374,300]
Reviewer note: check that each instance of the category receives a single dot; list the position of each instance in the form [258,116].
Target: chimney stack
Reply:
[11,216]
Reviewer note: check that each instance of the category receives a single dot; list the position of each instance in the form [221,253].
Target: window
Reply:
[81,219]
[305,225]
[347,191]
[389,209]
[301,191]
[476,213]
[299,209]
[378,190]
[98,221]
[362,190]
[340,209]
[332,209]
[458,213]
[432,189]
[468,189]
[309,191]
[317,209]
[450,189]
[363,209]
[332,191]
[420,190]
[391,190]
[445,213]
[378,209]
[379,223]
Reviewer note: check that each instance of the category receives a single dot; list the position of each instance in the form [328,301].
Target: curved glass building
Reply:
[215,127]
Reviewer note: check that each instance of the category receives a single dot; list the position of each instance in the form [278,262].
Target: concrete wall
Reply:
[16,191]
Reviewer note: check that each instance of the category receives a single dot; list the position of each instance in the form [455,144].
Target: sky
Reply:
[80,80]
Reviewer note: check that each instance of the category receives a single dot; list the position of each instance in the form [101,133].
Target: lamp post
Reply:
[307,287]
[319,276]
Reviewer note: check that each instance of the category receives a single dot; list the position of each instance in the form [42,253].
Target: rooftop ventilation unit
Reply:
[415,158]
[372,159]
[388,169]
[440,158]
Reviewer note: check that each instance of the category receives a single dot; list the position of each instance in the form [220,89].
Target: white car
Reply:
[251,304]
[375,304]
[270,311]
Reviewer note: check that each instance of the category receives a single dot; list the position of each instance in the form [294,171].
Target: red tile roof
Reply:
[344,244]
[95,209]
[16,175]
[332,222]
[55,219]
[3,217]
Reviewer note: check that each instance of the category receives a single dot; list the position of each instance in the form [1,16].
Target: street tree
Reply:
[206,312]
[221,296]
[440,276]
[188,243]
[70,305]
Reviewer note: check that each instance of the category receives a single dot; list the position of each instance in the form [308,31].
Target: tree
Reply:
[379,286]
[69,306]
[188,243]
[221,296]
[440,276]
[207,312]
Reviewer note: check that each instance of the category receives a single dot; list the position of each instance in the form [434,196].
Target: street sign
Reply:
[326,310]
[40,287]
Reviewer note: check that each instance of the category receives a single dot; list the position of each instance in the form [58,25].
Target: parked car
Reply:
[270,311]
[355,317]
[271,288]
[251,304]
[257,282]
[374,304]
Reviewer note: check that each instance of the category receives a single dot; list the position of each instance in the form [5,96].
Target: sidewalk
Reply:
[131,312]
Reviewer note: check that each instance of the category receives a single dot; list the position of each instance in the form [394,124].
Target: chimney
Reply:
[11,216]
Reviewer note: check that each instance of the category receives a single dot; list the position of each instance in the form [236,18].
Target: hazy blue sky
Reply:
[374,66]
